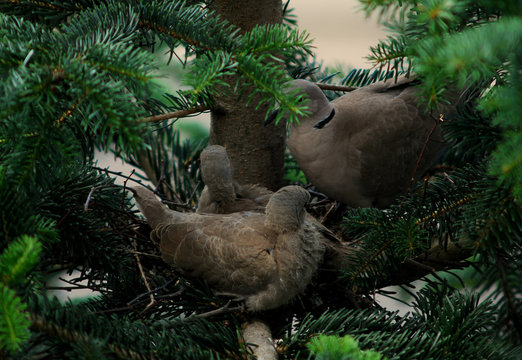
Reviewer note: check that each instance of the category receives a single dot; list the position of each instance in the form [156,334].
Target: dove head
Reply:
[285,210]
[318,105]
[217,173]
[150,206]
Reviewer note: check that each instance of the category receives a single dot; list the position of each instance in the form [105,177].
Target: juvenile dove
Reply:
[266,258]
[223,195]
[362,148]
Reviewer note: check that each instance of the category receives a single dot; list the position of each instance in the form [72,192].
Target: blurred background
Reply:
[341,37]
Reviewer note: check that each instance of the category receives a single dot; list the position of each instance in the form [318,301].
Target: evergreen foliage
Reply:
[334,348]
[76,76]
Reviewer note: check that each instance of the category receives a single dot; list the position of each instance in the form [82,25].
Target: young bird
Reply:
[267,257]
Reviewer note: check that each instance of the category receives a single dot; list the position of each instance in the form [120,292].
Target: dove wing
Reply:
[233,253]
[390,113]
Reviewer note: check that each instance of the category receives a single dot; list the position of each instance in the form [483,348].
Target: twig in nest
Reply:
[139,253]
[152,300]
[117,173]
[193,192]
[80,286]
[412,179]
[330,210]
[149,292]
[89,197]
[124,187]
[225,309]
[186,204]
[177,204]
[171,295]
[161,178]
[320,202]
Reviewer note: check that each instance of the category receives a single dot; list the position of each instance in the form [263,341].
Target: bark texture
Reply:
[256,152]
[258,335]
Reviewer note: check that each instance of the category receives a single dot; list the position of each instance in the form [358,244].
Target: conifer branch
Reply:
[166,31]
[58,122]
[437,258]
[68,112]
[175,114]
[40,4]
[445,209]
[39,323]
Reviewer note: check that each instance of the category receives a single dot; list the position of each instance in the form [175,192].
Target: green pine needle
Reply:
[18,259]
[14,323]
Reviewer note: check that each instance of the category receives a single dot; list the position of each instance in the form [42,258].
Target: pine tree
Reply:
[76,76]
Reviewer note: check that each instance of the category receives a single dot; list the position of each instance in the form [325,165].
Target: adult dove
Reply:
[266,258]
[362,148]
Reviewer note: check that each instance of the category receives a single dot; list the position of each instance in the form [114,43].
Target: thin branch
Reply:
[445,209]
[68,112]
[161,178]
[139,253]
[419,158]
[178,205]
[437,258]
[139,302]
[175,114]
[117,173]
[80,286]
[89,197]
[152,300]
[225,309]
[67,288]
[57,76]
[150,292]
[162,29]
[331,87]
[124,187]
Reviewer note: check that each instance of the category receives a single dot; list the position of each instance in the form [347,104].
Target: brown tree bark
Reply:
[256,152]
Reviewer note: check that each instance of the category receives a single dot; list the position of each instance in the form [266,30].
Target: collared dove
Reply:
[362,148]
[266,258]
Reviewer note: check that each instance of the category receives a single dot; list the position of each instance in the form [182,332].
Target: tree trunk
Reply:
[256,153]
